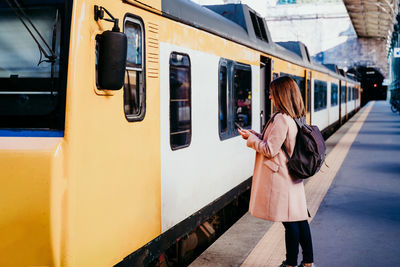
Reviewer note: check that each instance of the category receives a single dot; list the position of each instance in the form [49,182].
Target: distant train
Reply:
[95,177]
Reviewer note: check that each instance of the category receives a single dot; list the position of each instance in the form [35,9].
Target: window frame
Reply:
[343,94]
[242,67]
[263,30]
[324,86]
[337,95]
[349,93]
[55,120]
[225,134]
[190,100]
[137,20]
[302,87]
[307,53]
[256,27]
[231,67]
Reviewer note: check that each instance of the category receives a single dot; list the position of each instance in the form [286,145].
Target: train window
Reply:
[255,25]
[223,99]
[307,54]
[300,81]
[320,95]
[356,94]
[343,97]
[262,28]
[242,95]
[180,101]
[349,93]
[334,94]
[352,93]
[308,95]
[134,87]
[234,82]
[33,73]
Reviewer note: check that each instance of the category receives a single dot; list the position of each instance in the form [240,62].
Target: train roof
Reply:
[332,67]
[241,24]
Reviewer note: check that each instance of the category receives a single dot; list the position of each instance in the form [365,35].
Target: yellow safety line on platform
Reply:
[270,250]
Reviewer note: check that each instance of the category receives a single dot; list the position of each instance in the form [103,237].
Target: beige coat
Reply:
[275,196]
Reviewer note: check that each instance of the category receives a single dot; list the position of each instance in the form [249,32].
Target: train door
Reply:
[265,102]
[307,102]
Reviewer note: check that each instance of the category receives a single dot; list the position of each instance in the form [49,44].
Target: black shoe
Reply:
[301,265]
[283,264]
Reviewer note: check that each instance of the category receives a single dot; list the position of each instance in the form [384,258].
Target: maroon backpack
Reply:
[309,151]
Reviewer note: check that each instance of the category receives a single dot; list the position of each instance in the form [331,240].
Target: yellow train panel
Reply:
[320,76]
[287,67]
[186,36]
[114,168]
[152,5]
[31,179]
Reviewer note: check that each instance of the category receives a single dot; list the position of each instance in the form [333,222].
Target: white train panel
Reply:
[333,114]
[350,106]
[321,117]
[194,176]
[333,110]
[343,107]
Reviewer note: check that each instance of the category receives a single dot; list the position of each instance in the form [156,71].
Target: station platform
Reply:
[354,202]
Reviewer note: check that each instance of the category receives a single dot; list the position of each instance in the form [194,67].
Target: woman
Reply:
[275,196]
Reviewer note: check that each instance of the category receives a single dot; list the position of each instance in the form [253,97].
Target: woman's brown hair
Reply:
[287,97]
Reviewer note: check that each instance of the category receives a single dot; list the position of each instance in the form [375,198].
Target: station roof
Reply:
[373,18]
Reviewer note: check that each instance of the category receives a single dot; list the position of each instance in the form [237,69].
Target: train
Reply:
[117,122]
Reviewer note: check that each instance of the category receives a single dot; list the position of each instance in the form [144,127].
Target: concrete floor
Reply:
[358,223]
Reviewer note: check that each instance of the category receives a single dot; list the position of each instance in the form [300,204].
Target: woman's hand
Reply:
[244,133]
[254,132]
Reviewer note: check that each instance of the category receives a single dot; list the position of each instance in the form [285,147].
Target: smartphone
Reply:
[237,125]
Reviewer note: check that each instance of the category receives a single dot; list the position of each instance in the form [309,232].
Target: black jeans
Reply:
[295,233]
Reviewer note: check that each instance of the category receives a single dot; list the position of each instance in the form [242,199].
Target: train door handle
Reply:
[261,119]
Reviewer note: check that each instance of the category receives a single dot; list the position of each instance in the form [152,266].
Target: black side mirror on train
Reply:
[111,54]
[111,60]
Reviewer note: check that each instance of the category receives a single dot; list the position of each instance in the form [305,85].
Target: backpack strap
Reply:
[300,122]
[271,120]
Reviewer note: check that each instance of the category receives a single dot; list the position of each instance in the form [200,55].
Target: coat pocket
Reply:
[272,165]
